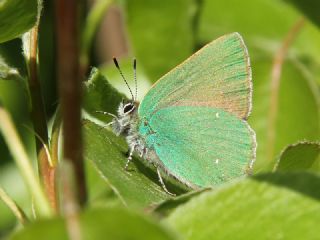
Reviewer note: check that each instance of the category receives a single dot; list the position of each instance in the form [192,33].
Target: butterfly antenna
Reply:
[135,76]
[117,65]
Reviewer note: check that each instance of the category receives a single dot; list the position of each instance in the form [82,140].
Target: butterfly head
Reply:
[127,108]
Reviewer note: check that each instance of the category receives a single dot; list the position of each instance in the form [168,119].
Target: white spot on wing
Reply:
[217,115]
[217,161]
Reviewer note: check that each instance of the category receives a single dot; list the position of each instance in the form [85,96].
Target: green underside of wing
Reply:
[200,145]
[216,76]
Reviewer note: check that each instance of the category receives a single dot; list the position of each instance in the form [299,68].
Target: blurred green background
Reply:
[161,34]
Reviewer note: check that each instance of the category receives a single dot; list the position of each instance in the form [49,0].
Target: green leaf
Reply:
[310,8]
[100,223]
[300,156]
[100,194]
[18,192]
[273,206]
[14,207]
[24,163]
[249,19]
[166,207]
[138,186]
[99,95]
[161,33]
[294,121]
[17,17]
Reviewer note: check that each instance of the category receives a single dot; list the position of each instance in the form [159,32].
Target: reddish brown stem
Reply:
[275,84]
[70,88]
[46,172]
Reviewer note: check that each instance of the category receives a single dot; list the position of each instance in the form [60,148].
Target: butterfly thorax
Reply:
[127,115]
[126,124]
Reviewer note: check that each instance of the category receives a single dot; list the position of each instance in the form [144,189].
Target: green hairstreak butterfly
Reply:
[191,125]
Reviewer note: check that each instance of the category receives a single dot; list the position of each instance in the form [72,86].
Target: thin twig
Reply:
[46,172]
[16,210]
[275,84]
[55,135]
[23,162]
[70,88]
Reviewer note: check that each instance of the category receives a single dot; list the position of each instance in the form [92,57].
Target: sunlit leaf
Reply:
[167,206]
[138,186]
[98,224]
[279,206]
[300,156]
[17,191]
[249,19]
[294,121]
[99,95]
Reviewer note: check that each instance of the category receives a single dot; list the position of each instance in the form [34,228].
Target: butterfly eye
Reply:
[128,108]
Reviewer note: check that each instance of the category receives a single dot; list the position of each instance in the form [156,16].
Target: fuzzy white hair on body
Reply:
[126,124]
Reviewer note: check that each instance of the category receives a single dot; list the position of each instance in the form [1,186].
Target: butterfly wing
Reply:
[192,119]
[218,75]
[199,145]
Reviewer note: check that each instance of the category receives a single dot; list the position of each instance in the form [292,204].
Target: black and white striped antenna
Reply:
[135,76]
[117,65]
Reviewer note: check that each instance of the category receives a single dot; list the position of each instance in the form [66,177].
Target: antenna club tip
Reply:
[115,61]
[134,63]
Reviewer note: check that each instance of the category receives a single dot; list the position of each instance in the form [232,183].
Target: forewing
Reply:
[199,145]
[218,76]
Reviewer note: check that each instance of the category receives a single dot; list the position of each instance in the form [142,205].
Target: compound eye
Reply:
[128,108]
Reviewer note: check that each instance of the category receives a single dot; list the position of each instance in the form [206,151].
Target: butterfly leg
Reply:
[162,183]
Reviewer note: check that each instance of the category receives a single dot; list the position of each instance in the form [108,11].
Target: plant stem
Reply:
[46,172]
[24,163]
[16,210]
[275,84]
[69,202]
[69,79]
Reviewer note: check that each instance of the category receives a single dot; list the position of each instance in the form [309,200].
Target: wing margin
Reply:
[218,75]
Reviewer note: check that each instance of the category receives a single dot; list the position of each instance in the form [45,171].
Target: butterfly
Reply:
[191,125]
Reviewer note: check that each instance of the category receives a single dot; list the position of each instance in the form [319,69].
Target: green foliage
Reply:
[95,98]
[17,17]
[108,153]
[161,34]
[300,156]
[258,34]
[160,22]
[167,206]
[115,223]
[310,8]
[7,72]
[265,207]
[297,83]
[296,92]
